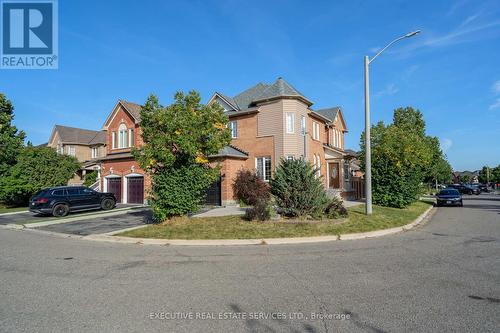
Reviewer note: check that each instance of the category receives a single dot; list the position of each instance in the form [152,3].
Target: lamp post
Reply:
[368,157]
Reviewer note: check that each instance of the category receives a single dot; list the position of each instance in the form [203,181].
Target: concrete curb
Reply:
[12,213]
[108,237]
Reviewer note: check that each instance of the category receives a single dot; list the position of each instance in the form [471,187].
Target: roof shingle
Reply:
[79,135]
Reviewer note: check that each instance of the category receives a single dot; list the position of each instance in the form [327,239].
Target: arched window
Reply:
[122,136]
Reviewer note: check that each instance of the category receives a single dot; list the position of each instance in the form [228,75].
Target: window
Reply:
[73,191]
[59,193]
[290,157]
[233,125]
[315,131]
[130,137]
[290,122]
[318,173]
[122,136]
[113,139]
[95,152]
[303,124]
[346,171]
[71,151]
[263,165]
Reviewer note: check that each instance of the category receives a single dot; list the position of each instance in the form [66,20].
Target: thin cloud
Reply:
[469,19]
[496,87]
[389,90]
[446,144]
[495,105]
[456,5]
[460,35]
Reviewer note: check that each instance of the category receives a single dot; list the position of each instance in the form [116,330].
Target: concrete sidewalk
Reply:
[222,211]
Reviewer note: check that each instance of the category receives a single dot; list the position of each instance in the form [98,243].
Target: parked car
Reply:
[462,188]
[60,201]
[449,197]
[475,189]
[483,188]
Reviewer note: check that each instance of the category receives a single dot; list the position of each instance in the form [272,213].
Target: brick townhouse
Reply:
[268,122]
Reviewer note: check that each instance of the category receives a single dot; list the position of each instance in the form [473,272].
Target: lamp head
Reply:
[413,33]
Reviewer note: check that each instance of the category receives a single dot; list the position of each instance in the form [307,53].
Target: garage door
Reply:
[135,192]
[115,187]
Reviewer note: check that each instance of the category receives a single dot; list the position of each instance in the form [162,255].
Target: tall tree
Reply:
[11,139]
[403,156]
[178,139]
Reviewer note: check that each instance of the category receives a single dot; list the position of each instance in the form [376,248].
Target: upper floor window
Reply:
[71,151]
[233,125]
[95,152]
[290,122]
[303,125]
[315,130]
[122,136]
[130,137]
[263,166]
[113,140]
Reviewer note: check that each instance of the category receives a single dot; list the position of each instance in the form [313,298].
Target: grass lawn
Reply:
[5,209]
[234,227]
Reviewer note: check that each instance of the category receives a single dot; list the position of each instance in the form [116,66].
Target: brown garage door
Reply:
[115,187]
[135,192]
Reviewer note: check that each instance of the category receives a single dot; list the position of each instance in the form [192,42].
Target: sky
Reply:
[110,50]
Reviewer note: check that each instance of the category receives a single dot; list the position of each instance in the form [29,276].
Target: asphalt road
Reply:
[441,277]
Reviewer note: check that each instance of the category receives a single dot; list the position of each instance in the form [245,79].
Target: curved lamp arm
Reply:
[411,34]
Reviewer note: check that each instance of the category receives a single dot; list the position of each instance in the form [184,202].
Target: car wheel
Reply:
[60,210]
[107,204]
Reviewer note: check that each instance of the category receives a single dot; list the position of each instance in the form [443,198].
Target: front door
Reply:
[334,175]
[115,187]
[135,190]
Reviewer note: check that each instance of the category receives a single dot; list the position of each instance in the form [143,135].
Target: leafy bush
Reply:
[178,191]
[36,168]
[249,188]
[261,211]
[90,178]
[335,209]
[297,191]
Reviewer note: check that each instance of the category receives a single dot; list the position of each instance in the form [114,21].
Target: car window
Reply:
[449,192]
[72,191]
[87,191]
[58,193]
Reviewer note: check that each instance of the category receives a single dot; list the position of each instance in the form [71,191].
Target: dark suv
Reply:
[59,201]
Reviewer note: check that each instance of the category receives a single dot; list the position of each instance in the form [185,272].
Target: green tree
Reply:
[439,170]
[90,178]
[465,178]
[178,139]
[36,168]
[402,157]
[297,190]
[11,139]
[495,175]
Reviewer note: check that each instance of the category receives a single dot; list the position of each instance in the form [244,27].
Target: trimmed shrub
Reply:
[335,209]
[260,211]
[249,188]
[177,191]
[297,190]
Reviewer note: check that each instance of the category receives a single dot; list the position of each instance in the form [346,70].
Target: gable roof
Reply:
[329,113]
[78,135]
[133,109]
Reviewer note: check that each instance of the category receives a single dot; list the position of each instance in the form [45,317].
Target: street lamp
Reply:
[368,158]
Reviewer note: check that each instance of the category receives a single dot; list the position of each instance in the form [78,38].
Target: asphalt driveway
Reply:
[29,217]
[101,224]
